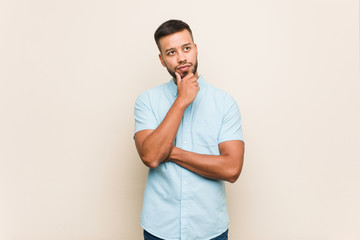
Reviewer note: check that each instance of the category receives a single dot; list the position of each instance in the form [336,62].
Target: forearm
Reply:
[157,146]
[220,167]
[154,146]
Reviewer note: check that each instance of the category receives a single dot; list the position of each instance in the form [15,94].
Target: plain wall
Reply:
[70,72]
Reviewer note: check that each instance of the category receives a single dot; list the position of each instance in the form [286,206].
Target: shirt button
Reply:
[185,142]
[185,183]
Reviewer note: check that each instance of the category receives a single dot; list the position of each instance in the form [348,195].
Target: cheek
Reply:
[193,57]
[171,64]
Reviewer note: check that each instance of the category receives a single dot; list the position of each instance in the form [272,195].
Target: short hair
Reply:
[170,27]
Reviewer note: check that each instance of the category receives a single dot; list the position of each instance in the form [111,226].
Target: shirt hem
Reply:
[217,234]
[156,235]
[207,238]
[231,139]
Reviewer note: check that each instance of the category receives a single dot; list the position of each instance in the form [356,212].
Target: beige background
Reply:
[70,72]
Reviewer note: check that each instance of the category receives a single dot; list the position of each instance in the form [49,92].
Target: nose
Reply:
[181,57]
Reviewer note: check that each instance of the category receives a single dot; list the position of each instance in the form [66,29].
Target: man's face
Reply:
[179,54]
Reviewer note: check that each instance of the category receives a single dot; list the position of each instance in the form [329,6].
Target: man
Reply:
[189,134]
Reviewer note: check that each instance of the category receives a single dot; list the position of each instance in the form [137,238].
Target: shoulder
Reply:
[152,92]
[219,94]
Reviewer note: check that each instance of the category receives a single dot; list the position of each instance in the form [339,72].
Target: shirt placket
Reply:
[186,145]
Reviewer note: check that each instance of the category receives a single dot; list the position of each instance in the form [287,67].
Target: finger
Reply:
[178,77]
[190,75]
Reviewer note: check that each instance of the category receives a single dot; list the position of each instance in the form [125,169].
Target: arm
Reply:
[227,166]
[154,146]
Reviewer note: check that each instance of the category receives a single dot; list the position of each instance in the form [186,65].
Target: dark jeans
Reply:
[148,236]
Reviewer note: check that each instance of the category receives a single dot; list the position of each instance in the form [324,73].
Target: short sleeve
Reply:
[231,128]
[143,113]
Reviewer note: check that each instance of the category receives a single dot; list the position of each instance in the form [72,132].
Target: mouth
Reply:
[184,68]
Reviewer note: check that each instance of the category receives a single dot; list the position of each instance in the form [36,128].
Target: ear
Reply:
[196,49]
[162,60]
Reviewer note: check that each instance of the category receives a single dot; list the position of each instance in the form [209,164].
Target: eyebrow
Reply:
[170,49]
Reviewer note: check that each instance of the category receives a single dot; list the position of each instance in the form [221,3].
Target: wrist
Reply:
[173,154]
[181,104]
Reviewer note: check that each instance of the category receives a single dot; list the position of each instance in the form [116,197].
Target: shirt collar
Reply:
[173,86]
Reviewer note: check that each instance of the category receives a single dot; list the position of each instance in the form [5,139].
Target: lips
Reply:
[184,68]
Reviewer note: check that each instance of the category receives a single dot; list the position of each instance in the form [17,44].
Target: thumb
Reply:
[178,78]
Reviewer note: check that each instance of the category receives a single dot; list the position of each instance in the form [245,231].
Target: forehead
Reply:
[175,40]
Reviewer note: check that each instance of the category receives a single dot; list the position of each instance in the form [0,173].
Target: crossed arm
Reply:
[226,166]
[156,146]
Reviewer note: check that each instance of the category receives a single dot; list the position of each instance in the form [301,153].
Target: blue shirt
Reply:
[178,203]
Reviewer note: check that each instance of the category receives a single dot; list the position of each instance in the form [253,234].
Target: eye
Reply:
[186,48]
[169,53]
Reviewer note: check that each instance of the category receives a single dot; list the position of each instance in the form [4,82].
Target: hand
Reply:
[187,88]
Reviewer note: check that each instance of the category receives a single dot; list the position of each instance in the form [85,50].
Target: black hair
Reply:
[170,27]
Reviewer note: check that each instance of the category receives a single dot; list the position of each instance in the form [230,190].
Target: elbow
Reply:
[233,178]
[234,172]
[150,162]
[153,157]
[152,165]
[233,175]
